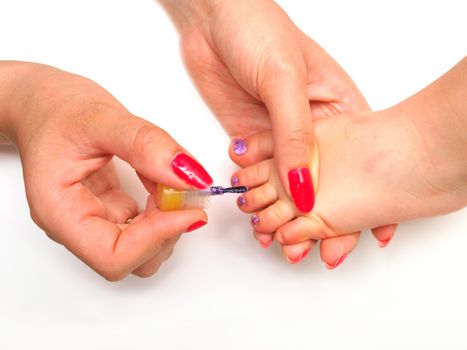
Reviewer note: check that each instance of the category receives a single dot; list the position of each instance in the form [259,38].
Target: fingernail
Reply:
[265,245]
[190,171]
[384,243]
[255,220]
[234,181]
[239,147]
[301,188]
[196,225]
[241,201]
[337,263]
[299,258]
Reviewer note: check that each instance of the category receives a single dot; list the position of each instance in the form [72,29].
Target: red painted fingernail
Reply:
[190,171]
[384,243]
[265,245]
[299,258]
[337,263]
[196,225]
[301,188]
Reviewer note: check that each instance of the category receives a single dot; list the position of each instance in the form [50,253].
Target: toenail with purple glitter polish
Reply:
[234,180]
[255,220]
[241,201]
[239,147]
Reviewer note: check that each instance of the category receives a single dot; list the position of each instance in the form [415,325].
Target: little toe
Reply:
[252,149]
[274,216]
[384,234]
[252,176]
[297,252]
[334,250]
[257,198]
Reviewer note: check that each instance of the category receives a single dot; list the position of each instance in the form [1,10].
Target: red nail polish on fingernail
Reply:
[265,245]
[301,188]
[337,263]
[196,225]
[299,258]
[190,171]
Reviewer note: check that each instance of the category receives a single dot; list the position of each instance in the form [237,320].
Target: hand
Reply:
[258,72]
[67,129]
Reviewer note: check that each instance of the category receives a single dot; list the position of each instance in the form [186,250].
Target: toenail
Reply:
[255,220]
[299,258]
[241,201]
[239,147]
[234,180]
[384,243]
[337,263]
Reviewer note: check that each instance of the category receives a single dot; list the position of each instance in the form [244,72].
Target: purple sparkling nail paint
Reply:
[239,147]
[241,201]
[234,180]
[255,220]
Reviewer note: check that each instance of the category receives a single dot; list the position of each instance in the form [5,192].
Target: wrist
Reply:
[16,93]
[189,14]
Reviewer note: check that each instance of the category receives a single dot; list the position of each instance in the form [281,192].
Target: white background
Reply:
[220,290]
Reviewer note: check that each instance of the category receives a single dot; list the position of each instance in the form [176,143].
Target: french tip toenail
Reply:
[241,201]
[255,220]
[239,147]
[234,181]
[337,263]
[384,243]
[299,258]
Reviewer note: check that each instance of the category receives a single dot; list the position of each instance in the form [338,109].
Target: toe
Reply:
[264,239]
[253,176]
[297,252]
[257,199]
[334,250]
[274,216]
[384,234]
[302,229]
[253,149]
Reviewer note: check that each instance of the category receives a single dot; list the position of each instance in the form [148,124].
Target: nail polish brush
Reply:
[171,199]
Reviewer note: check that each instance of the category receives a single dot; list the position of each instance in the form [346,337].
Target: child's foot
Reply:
[375,170]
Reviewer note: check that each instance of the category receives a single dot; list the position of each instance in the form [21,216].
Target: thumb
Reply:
[151,151]
[285,97]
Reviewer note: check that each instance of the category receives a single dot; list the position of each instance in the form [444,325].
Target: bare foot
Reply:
[375,169]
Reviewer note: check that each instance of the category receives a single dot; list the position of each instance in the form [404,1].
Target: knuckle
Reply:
[298,139]
[148,138]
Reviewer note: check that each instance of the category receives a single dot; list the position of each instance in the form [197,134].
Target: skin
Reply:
[407,161]
[258,72]
[67,129]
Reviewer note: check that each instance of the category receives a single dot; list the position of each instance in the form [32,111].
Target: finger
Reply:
[148,149]
[384,234]
[119,206]
[284,93]
[252,149]
[113,252]
[335,250]
[150,267]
